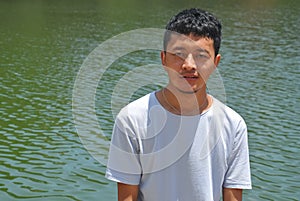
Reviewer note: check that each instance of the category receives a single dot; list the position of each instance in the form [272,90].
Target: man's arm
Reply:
[127,192]
[232,194]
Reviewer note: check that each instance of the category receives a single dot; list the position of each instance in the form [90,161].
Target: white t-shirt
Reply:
[179,158]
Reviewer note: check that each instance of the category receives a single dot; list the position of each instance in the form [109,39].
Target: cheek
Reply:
[206,70]
[172,65]
[172,72]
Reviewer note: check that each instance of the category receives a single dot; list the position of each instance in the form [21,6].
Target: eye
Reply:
[181,54]
[201,56]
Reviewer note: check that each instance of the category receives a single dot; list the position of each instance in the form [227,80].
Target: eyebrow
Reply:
[202,50]
[182,48]
[177,48]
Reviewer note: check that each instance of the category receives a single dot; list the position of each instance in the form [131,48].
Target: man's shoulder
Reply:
[232,122]
[137,107]
[228,112]
[141,103]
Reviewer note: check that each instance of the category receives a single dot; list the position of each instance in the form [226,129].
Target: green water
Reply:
[44,43]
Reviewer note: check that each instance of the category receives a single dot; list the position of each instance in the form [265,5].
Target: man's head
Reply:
[196,22]
[191,49]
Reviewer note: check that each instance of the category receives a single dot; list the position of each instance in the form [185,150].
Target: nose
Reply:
[189,63]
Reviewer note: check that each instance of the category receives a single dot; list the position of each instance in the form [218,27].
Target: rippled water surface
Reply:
[44,43]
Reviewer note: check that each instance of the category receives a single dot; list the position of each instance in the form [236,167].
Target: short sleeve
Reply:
[123,160]
[238,172]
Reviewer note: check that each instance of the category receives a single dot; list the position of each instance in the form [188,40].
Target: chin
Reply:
[189,91]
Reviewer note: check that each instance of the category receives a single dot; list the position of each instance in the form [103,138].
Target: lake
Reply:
[45,44]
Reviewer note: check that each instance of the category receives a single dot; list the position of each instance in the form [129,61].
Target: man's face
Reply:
[189,61]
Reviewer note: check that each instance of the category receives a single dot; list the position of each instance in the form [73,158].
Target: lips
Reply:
[190,76]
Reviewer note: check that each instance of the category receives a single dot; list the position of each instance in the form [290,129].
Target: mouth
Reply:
[190,77]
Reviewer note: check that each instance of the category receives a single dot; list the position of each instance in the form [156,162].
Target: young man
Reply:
[180,143]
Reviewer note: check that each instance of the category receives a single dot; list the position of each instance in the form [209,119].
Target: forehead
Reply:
[190,42]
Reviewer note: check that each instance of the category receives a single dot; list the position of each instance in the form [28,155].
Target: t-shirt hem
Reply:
[119,179]
[238,186]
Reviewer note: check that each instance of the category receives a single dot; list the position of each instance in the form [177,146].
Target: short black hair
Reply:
[195,21]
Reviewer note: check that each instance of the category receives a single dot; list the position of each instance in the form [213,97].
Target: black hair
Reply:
[195,21]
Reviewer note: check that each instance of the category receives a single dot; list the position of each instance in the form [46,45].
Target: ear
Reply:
[217,60]
[163,58]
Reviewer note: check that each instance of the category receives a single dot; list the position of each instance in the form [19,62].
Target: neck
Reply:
[185,103]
